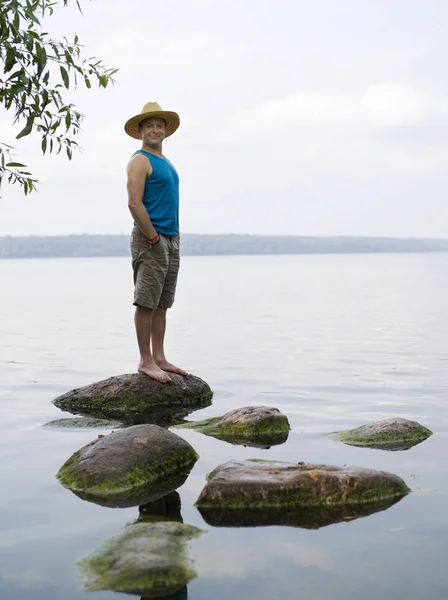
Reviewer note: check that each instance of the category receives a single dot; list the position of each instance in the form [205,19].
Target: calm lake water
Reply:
[332,341]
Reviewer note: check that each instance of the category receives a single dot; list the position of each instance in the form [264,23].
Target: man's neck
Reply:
[157,150]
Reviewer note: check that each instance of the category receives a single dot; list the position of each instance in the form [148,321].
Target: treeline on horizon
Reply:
[212,245]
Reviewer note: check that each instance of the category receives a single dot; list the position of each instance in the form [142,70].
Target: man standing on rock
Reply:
[153,200]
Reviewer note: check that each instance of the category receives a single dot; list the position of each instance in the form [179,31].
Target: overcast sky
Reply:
[322,117]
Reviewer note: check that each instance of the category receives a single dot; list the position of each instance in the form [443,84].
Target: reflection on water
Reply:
[334,342]
[180,595]
[304,517]
[164,509]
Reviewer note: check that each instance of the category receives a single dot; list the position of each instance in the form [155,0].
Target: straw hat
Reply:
[152,109]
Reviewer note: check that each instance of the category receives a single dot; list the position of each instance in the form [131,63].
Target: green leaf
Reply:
[68,120]
[15,164]
[27,129]
[10,60]
[65,77]
[44,145]
[87,82]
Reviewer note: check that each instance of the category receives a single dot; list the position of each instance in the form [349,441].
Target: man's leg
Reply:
[158,329]
[143,324]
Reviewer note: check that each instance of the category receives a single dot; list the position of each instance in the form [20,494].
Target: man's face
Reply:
[153,131]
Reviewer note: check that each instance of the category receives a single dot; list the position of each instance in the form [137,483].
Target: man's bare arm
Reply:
[139,168]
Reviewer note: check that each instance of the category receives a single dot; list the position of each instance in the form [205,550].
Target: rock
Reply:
[390,434]
[137,398]
[148,559]
[305,517]
[129,467]
[83,423]
[258,426]
[251,484]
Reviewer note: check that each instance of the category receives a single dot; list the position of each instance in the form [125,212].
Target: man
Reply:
[153,200]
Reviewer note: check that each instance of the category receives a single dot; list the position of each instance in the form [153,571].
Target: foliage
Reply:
[37,73]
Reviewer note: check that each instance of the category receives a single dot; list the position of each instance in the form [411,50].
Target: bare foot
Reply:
[167,366]
[153,371]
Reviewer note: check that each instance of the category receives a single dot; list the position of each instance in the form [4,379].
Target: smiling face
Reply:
[153,132]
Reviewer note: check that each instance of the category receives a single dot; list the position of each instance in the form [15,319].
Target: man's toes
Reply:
[164,378]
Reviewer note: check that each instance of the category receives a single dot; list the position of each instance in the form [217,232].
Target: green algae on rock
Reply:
[304,517]
[136,398]
[148,559]
[252,426]
[389,434]
[129,467]
[83,423]
[248,484]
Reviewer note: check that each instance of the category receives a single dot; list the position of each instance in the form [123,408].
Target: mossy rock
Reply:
[304,517]
[389,434]
[254,484]
[83,423]
[148,559]
[129,467]
[135,398]
[258,426]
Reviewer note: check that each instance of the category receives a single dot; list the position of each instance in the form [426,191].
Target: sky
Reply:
[327,117]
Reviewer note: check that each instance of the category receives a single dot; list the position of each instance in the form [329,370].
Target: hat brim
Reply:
[171,119]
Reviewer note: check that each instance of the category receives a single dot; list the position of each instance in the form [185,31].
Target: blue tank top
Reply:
[161,195]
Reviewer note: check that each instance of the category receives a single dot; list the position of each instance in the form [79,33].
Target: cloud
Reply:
[241,563]
[396,104]
[390,104]
[177,52]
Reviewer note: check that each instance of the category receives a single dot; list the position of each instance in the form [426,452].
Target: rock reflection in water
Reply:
[304,517]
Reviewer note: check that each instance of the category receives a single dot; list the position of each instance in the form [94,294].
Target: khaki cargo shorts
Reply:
[155,270]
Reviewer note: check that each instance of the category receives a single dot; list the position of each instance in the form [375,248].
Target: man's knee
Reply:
[144,310]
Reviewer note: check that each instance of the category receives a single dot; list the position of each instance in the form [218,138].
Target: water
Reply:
[332,341]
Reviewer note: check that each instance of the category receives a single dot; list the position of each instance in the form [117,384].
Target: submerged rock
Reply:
[305,517]
[250,484]
[83,423]
[129,467]
[390,434]
[137,398]
[149,559]
[252,426]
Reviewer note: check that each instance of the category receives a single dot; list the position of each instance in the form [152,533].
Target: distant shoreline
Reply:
[90,246]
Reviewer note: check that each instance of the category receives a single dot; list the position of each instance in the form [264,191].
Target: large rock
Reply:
[250,484]
[305,517]
[148,559]
[258,426]
[390,434]
[129,467]
[136,398]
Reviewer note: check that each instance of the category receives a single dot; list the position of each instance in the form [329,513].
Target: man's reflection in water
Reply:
[165,509]
[180,595]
